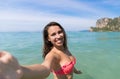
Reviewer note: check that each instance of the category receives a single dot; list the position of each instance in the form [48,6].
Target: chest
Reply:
[63,60]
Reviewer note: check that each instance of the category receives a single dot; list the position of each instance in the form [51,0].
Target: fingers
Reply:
[9,66]
[78,72]
[1,53]
[5,57]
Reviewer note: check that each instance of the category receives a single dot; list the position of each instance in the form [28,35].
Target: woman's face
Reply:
[56,36]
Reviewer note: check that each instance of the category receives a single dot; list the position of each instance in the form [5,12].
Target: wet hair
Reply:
[47,44]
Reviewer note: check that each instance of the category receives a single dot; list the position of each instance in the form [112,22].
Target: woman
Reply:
[57,58]
[56,50]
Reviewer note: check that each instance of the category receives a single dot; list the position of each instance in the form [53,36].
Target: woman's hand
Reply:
[9,66]
[77,71]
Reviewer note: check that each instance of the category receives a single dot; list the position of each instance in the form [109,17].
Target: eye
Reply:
[59,32]
[53,34]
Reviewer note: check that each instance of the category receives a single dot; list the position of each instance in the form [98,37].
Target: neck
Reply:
[60,48]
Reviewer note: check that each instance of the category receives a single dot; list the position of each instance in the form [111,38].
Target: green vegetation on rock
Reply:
[107,24]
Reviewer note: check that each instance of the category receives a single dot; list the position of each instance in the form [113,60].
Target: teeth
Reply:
[59,40]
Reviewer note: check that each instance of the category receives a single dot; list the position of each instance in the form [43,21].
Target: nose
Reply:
[58,36]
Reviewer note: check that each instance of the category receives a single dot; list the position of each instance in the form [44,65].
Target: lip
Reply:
[59,41]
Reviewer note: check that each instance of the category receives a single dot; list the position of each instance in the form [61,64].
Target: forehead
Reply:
[53,29]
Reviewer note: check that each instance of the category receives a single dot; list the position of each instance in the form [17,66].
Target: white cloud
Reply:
[36,21]
[34,17]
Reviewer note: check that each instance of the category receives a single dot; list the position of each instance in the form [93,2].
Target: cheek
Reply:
[62,35]
[50,39]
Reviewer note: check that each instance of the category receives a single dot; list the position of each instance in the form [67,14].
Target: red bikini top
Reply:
[65,69]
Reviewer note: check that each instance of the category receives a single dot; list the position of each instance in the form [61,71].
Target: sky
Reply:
[73,15]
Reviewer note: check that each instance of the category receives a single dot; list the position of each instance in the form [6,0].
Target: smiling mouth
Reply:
[60,41]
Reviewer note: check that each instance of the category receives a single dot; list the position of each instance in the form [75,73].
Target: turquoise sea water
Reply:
[97,53]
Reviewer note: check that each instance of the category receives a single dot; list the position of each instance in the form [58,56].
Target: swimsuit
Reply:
[65,69]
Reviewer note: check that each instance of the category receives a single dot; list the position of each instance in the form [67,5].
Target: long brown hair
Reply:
[47,44]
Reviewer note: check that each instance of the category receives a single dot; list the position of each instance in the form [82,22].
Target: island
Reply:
[106,25]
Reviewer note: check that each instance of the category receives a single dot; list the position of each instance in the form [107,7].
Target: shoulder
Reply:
[52,55]
[50,59]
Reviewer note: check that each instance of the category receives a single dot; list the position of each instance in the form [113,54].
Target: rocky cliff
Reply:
[107,24]
[102,22]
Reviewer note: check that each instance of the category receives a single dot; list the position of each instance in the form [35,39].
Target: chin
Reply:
[59,45]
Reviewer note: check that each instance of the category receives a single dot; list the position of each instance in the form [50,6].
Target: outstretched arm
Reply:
[39,71]
[36,71]
[10,68]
